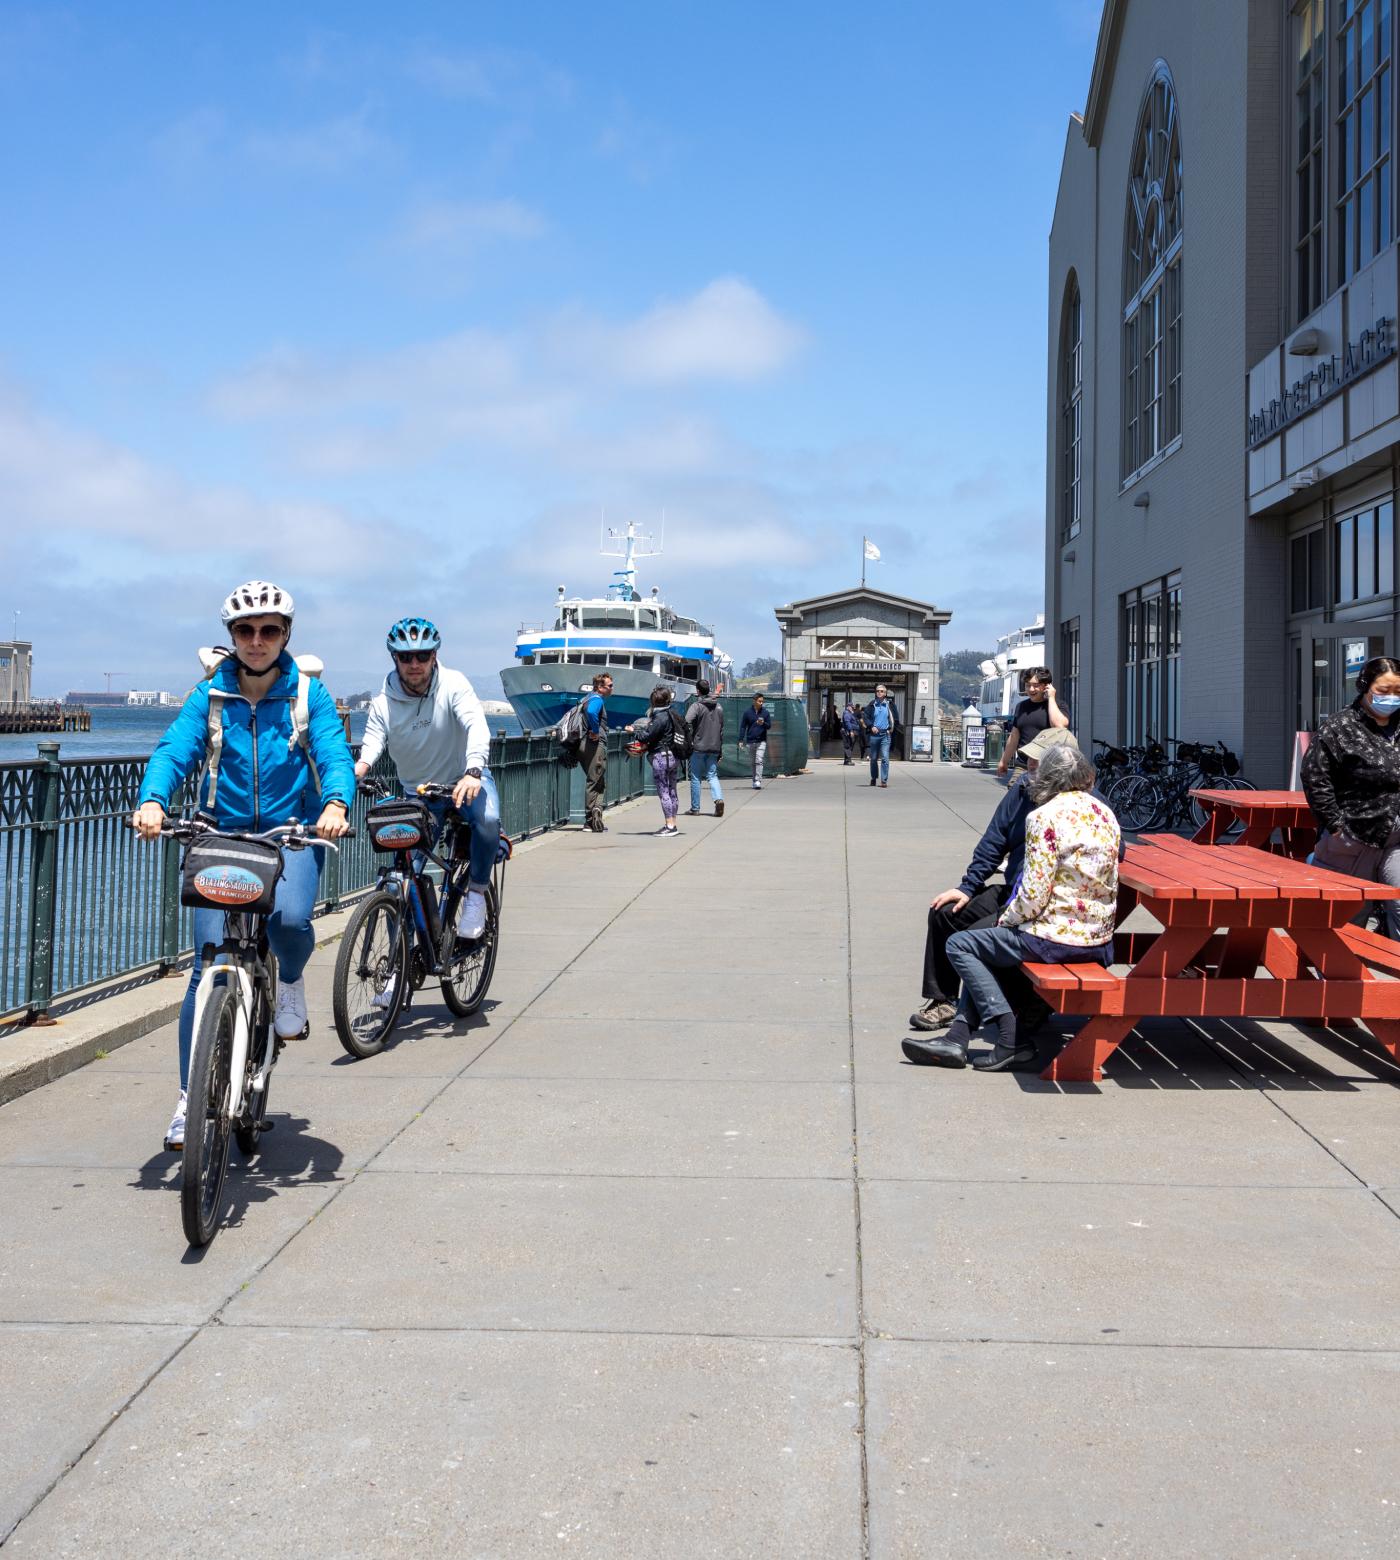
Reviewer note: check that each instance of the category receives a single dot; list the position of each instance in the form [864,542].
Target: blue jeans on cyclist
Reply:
[483,812]
[289,935]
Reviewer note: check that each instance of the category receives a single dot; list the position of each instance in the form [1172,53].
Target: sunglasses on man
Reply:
[269,633]
[403,657]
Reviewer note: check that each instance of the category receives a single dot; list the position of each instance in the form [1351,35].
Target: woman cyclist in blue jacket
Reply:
[264,778]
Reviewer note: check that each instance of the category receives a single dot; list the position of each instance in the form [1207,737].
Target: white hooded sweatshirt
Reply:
[435,736]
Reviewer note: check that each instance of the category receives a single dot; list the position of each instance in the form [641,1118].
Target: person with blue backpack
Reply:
[274,751]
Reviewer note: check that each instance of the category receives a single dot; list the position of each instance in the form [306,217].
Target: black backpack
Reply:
[571,731]
[682,736]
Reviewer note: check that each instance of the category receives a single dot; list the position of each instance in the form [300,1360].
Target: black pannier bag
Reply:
[400,824]
[223,874]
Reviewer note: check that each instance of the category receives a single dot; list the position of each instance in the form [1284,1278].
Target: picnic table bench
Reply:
[1260,813]
[1246,933]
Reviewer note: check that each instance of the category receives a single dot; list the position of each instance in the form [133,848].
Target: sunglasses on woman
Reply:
[269,633]
[404,656]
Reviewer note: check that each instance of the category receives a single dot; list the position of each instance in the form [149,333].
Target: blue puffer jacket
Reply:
[264,778]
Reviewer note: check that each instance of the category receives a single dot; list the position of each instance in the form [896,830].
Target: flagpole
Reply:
[862,563]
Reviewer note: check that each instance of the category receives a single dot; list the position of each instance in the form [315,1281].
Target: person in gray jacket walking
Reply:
[705,717]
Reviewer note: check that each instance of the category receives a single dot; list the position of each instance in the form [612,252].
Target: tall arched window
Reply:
[1152,281]
[1071,386]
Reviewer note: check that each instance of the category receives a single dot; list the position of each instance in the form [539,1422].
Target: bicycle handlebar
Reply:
[296,836]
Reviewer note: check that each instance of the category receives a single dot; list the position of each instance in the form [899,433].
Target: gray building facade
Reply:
[16,670]
[1173,270]
[843,645]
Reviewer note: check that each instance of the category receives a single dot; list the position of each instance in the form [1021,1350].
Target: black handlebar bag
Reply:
[230,875]
[400,824]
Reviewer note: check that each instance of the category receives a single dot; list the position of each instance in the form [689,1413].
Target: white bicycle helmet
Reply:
[255,597]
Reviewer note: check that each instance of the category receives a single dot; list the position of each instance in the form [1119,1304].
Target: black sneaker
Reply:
[1002,1057]
[935,1053]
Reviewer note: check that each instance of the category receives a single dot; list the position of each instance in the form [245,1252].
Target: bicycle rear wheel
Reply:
[208,1127]
[467,966]
[371,975]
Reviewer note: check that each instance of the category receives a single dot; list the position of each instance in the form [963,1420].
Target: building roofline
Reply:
[1105,58]
[794,611]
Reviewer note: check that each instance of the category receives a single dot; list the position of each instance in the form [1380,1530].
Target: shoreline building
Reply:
[1223,409]
[845,644]
[16,671]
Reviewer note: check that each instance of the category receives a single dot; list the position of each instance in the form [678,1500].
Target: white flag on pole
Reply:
[871,550]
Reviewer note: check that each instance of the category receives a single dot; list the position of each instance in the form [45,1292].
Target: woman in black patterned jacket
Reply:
[1351,775]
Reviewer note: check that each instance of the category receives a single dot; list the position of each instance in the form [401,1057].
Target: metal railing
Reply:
[83,901]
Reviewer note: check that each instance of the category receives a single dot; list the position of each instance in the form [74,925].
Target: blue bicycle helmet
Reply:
[413,633]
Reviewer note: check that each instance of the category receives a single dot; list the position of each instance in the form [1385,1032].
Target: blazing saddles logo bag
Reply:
[230,875]
[400,824]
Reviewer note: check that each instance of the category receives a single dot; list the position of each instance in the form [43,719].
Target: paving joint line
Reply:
[861,1331]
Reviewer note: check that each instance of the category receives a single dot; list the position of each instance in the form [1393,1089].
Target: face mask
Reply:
[1385,704]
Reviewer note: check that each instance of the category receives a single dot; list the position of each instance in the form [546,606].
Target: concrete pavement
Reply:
[668,1253]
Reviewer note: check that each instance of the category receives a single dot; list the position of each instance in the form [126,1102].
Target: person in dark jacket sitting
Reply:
[977,902]
[1351,775]
[657,734]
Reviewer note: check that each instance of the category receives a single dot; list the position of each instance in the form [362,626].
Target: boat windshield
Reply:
[597,617]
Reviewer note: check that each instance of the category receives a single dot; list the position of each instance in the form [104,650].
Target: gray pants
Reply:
[1375,863]
[593,755]
[758,749]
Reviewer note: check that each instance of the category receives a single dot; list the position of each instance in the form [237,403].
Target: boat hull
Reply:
[542,695]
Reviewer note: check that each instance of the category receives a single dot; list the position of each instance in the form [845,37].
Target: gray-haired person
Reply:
[1063,910]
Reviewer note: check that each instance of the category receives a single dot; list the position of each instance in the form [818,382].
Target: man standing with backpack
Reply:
[593,752]
[705,717]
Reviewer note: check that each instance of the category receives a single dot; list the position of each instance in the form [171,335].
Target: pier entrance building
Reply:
[844,645]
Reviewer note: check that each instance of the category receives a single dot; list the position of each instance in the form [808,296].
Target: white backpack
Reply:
[309,666]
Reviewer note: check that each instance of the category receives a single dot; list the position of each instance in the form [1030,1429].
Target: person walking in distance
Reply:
[753,730]
[1037,712]
[657,734]
[593,753]
[881,721]
[705,717]
[850,728]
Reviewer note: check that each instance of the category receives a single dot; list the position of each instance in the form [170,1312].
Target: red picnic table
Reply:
[1261,812]
[1246,933]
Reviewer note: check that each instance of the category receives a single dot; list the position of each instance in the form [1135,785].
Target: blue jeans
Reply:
[288,931]
[704,766]
[483,812]
[976,955]
[879,755]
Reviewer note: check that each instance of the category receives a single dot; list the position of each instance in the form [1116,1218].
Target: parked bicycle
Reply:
[404,931]
[1161,797]
[235,1046]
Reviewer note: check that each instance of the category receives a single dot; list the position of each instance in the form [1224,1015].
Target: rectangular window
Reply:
[1071,388]
[1361,159]
[1067,672]
[1152,662]
[1344,559]
[1385,549]
[1309,121]
[1363,555]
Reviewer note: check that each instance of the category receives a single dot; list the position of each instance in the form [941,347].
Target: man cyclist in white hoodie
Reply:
[433,725]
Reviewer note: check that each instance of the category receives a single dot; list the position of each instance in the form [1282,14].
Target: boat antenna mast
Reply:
[629,545]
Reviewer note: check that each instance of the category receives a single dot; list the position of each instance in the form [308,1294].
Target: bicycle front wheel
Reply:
[248,1128]
[371,975]
[1136,802]
[208,1125]
[467,966]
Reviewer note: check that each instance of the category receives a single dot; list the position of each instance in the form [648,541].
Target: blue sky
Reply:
[387,304]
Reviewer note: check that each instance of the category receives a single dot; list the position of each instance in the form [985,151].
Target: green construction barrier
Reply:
[787,739]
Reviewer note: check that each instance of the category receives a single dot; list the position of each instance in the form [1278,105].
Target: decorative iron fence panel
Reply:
[83,901]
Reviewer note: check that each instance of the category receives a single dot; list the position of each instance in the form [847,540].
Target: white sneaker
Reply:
[289,1018]
[471,918]
[175,1134]
[385,998]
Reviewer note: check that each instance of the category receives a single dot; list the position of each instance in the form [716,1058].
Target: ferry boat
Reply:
[1016,653]
[641,641]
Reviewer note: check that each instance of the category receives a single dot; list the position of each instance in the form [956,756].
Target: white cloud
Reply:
[334,146]
[726,331]
[464,226]
[587,392]
[500,77]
